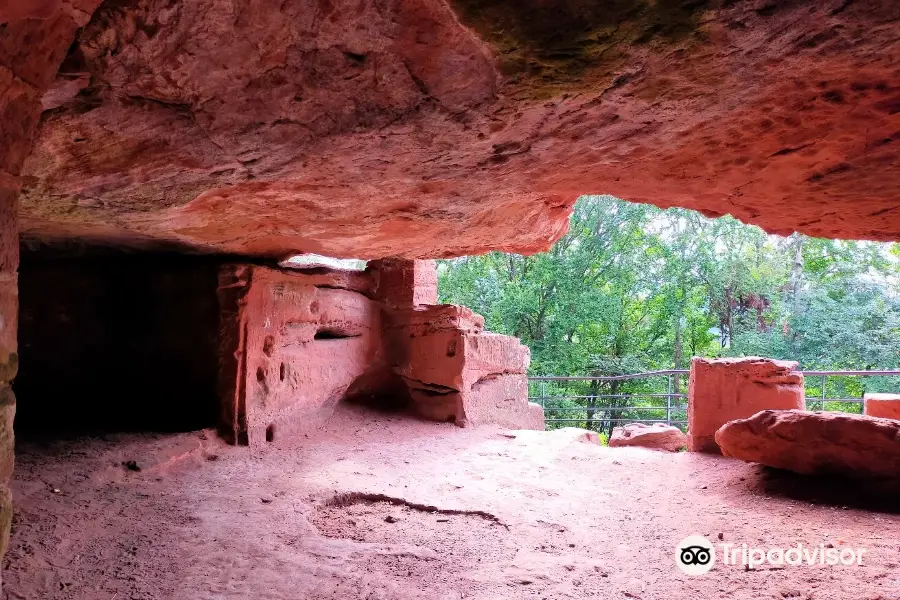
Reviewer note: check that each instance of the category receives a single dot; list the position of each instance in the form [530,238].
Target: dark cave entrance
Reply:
[116,343]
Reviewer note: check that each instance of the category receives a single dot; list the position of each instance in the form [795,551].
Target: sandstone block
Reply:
[886,406]
[404,283]
[454,371]
[496,400]
[501,400]
[422,320]
[457,360]
[725,389]
[816,443]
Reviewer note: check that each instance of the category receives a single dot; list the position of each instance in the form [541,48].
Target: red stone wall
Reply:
[725,389]
[293,344]
[34,37]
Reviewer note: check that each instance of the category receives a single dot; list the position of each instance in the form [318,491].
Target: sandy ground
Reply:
[377,507]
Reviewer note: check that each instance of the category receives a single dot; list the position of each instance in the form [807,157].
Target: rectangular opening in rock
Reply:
[117,343]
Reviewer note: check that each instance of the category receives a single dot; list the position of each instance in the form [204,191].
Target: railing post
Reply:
[822,405]
[669,400]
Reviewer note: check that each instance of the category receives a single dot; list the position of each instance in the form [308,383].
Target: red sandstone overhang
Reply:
[420,128]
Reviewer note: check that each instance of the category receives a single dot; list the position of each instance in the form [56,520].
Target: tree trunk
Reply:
[614,412]
[796,271]
[678,352]
[592,405]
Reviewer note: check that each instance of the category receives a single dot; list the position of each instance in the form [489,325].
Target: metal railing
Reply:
[582,400]
[822,399]
[593,408]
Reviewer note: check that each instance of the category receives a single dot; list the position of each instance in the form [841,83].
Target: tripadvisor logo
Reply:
[695,555]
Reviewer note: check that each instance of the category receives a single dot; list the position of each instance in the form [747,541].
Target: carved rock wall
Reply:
[725,389]
[292,345]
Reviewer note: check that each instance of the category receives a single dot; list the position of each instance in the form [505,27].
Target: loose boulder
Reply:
[656,437]
[816,443]
[561,437]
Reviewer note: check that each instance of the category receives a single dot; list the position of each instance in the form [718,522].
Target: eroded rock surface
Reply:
[656,436]
[293,344]
[451,369]
[816,443]
[420,128]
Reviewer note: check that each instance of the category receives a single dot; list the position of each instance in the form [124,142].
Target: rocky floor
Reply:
[379,507]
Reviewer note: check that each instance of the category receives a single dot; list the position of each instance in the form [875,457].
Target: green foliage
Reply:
[634,288]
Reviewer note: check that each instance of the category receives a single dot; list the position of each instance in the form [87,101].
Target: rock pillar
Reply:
[886,406]
[403,284]
[725,389]
[9,359]
[453,370]
[34,37]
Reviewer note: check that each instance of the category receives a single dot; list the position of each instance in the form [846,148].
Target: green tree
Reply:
[632,288]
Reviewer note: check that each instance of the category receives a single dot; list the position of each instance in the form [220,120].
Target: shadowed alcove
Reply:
[117,343]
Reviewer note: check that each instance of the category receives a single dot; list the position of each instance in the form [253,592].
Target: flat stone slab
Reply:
[556,438]
[656,436]
[813,443]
